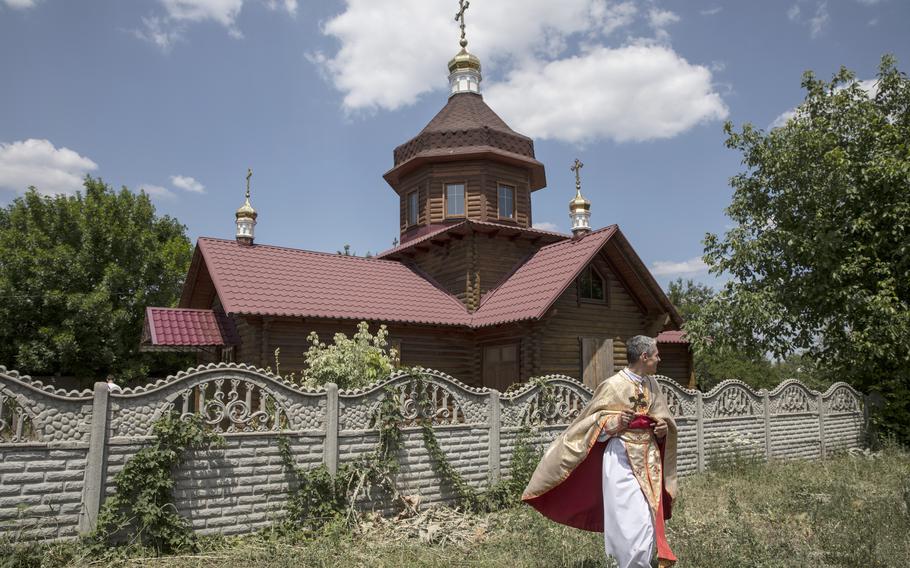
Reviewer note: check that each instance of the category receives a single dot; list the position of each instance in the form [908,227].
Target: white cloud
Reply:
[869,2]
[289,6]
[394,51]
[782,119]
[21,4]
[38,163]
[187,183]
[618,16]
[819,21]
[164,30]
[157,191]
[634,93]
[672,268]
[711,11]
[222,11]
[546,226]
[661,18]
[793,13]
[159,31]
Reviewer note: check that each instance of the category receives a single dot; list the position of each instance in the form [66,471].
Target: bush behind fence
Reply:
[60,450]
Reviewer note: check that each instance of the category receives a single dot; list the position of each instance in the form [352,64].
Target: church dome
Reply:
[467,127]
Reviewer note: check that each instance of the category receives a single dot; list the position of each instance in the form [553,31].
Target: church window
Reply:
[413,203]
[591,285]
[506,202]
[455,200]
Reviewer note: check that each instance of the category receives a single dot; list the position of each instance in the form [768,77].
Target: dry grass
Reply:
[849,511]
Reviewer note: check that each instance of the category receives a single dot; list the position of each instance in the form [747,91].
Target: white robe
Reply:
[628,526]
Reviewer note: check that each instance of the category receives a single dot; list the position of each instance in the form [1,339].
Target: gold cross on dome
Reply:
[576,167]
[249,174]
[462,6]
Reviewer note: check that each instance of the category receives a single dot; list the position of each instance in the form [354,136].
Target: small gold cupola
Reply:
[579,208]
[464,68]
[246,216]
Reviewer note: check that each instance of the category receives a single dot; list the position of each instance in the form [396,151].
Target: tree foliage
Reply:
[351,362]
[820,251]
[76,273]
[713,364]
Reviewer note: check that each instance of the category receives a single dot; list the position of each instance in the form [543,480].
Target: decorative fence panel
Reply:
[61,450]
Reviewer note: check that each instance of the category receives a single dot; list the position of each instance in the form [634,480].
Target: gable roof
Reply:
[277,281]
[533,288]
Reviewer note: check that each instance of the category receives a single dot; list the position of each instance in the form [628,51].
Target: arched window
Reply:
[591,285]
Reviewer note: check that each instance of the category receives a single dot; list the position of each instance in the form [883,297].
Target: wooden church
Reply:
[472,289]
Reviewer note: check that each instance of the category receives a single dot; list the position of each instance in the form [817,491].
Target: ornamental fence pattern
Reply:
[60,450]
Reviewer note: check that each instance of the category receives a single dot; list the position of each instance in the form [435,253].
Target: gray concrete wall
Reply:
[61,450]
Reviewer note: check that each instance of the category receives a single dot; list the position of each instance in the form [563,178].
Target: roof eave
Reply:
[537,173]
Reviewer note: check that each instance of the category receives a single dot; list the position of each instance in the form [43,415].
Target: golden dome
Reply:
[579,202]
[464,60]
[246,210]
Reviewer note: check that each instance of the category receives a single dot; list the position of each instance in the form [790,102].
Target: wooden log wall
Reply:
[448,263]
[497,258]
[675,362]
[481,179]
[571,319]
[469,266]
[449,350]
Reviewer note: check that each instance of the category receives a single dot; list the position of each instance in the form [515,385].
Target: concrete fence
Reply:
[60,451]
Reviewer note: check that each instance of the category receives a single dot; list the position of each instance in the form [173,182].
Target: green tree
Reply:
[76,273]
[715,365]
[820,251]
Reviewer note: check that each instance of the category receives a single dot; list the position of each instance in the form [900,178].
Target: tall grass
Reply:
[847,511]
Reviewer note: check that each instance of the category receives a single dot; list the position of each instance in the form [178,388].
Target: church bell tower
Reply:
[467,163]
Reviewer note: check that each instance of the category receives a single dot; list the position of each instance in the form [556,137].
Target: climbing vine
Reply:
[143,502]
[316,496]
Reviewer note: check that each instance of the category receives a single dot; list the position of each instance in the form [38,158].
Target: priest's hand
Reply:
[660,428]
[626,417]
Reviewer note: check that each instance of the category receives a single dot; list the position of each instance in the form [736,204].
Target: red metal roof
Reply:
[533,288]
[672,337]
[269,280]
[185,327]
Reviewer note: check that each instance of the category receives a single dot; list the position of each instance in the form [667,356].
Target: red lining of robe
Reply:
[572,503]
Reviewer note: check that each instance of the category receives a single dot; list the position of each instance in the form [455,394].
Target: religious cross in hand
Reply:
[249,174]
[463,5]
[639,402]
[576,167]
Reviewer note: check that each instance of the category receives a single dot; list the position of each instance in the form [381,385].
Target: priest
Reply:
[614,468]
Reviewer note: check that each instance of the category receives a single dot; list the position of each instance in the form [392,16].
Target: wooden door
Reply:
[596,360]
[500,366]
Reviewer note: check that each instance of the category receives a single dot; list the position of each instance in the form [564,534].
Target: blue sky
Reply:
[180,97]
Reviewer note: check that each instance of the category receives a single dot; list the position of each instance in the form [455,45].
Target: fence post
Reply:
[494,417]
[330,447]
[821,425]
[766,404]
[95,460]
[700,429]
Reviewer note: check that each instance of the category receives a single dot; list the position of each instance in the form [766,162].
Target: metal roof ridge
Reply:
[304,251]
